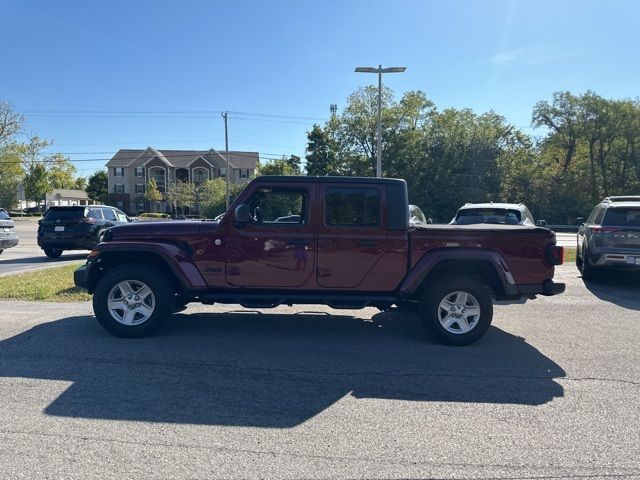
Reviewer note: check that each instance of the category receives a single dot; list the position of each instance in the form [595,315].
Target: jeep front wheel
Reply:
[132,301]
[456,310]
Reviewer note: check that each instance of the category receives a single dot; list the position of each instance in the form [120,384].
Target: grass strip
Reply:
[51,284]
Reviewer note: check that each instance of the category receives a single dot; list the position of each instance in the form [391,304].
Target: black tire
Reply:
[578,261]
[438,291]
[587,270]
[1,252]
[159,286]
[52,252]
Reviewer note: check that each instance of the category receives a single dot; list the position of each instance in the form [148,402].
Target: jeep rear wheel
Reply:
[456,310]
[133,301]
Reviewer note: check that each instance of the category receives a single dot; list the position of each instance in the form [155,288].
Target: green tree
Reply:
[180,195]
[61,172]
[211,196]
[11,175]
[152,194]
[321,152]
[280,166]
[36,183]
[98,186]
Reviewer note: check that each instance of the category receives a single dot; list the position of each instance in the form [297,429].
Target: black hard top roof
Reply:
[327,179]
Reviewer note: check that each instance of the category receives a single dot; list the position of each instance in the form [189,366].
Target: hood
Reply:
[162,230]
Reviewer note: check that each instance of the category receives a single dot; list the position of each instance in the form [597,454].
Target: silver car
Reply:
[610,237]
[8,235]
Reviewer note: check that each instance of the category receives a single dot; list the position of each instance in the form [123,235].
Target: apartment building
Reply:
[130,170]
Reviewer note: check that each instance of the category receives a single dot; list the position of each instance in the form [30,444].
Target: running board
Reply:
[263,300]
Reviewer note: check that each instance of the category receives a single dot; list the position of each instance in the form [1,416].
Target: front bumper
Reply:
[81,276]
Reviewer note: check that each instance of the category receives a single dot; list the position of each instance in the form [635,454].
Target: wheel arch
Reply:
[172,262]
[488,266]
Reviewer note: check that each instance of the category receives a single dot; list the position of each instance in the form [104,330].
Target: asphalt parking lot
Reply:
[27,255]
[552,391]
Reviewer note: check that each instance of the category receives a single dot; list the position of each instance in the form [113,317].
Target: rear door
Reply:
[352,232]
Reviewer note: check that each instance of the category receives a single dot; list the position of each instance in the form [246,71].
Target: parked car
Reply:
[8,236]
[351,247]
[36,209]
[417,216]
[610,237]
[494,213]
[76,228]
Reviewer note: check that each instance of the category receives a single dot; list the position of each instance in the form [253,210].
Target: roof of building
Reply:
[66,193]
[182,158]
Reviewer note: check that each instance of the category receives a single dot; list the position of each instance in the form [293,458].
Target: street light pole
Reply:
[379,71]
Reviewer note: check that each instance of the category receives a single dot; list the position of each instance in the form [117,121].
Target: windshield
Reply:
[488,215]
[622,217]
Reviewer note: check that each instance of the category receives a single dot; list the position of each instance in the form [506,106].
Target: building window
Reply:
[139,188]
[118,171]
[140,172]
[118,188]
[119,204]
[244,173]
[200,175]
[223,172]
[140,206]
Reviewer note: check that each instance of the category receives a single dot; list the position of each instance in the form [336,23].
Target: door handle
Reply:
[367,243]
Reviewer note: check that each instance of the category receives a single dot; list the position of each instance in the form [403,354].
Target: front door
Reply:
[352,234]
[277,248]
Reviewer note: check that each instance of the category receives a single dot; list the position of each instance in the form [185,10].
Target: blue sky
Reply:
[292,59]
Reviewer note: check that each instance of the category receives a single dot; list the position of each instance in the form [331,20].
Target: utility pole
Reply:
[226,155]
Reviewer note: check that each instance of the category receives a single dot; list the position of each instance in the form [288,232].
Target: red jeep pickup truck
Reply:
[339,241]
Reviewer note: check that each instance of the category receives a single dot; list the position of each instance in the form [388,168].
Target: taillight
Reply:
[599,229]
[555,254]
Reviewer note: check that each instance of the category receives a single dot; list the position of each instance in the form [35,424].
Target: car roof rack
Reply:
[622,198]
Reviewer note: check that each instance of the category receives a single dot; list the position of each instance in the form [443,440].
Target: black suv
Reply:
[610,238]
[76,228]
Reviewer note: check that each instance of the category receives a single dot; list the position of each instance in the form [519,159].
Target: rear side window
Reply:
[55,213]
[352,207]
[94,213]
[622,217]
[109,214]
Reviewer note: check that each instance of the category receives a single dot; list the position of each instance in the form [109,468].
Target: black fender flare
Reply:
[430,260]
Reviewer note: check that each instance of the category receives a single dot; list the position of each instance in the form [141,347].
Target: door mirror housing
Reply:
[580,221]
[242,214]
[429,221]
[541,223]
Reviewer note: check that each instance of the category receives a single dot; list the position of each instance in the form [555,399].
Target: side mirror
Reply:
[242,214]
[541,223]
[429,220]
[579,220]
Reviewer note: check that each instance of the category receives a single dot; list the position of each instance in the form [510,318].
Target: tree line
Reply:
[589,148]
